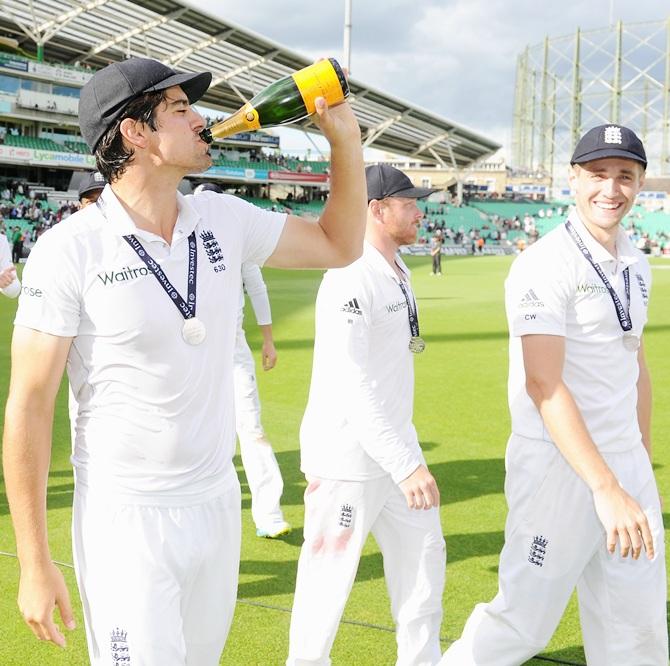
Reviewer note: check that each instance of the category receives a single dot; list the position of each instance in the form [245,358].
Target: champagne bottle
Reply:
[285,101]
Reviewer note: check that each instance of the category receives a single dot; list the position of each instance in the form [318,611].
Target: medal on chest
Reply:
[631,341]
[193,330]
[416,343]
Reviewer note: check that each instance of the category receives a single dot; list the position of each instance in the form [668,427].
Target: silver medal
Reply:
[193,331]
[416,344]
[631,342]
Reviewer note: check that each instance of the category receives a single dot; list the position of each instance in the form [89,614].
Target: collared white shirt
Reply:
[358,420]
[155,419]
[552,289]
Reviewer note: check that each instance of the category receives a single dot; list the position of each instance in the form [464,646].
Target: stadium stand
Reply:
[306,208]
[33,142]
[261,202]
[77,147]
[509,209]
[281,164]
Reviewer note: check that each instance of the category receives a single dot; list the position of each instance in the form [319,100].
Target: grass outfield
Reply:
[462,420]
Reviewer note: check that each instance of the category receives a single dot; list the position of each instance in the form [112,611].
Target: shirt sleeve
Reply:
[262,229]
[50,298]
[348,335]
[254,285]
[535,296]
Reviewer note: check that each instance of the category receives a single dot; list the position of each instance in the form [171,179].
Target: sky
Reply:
[455,58]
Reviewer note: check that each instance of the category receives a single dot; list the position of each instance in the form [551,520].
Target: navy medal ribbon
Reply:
[186,308]
[193,331]
[416,343]
[623,314]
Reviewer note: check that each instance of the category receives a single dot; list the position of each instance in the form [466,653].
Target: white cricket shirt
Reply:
[358,420]
[155,419]
[552,289]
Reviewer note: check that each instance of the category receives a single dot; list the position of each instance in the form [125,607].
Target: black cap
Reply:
[609,141]
[93,181]
[107,93]
[387,181]
[208,187]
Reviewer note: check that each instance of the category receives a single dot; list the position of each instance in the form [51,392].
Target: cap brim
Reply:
[414,192]
[607,152]
[194,85]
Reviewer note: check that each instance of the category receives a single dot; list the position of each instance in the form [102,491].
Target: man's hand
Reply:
[338,124]
[7,277]
[40,591]
[269,355]
[623,519]
[420,489]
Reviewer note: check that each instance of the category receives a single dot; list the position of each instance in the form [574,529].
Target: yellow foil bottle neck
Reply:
[243,120]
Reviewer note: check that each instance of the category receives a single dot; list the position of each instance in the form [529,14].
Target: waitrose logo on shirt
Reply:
[396,307]
[586,288]
[124,275]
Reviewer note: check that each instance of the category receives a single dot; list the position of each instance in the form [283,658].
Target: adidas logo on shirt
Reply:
[531,300]
[352,307]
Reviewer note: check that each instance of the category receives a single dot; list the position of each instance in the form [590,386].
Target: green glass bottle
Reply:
[285,101]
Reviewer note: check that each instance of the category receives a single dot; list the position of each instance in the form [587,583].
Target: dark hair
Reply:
[111,156]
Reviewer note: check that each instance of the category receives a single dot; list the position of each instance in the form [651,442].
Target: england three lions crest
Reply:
[213,250]
[119,647]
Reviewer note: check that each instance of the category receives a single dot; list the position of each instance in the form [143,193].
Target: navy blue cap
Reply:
[91,182]
[105,96]
[383,181]
[609,141]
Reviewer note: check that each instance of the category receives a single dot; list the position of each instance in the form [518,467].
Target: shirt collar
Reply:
[377,259]
[122,224]
[628,254]
[625,250]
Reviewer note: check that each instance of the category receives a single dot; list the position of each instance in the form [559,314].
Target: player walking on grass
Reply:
[584,509]
[139,294]
[360,451]
[258,459]
[260,464]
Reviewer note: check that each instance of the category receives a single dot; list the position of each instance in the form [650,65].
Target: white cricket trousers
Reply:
[258,458]
[554,542]
[158,584]
[339,515]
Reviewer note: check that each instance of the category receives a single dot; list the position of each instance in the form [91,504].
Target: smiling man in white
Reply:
[584,509]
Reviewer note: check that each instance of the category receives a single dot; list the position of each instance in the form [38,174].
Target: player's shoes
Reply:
[274,531]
